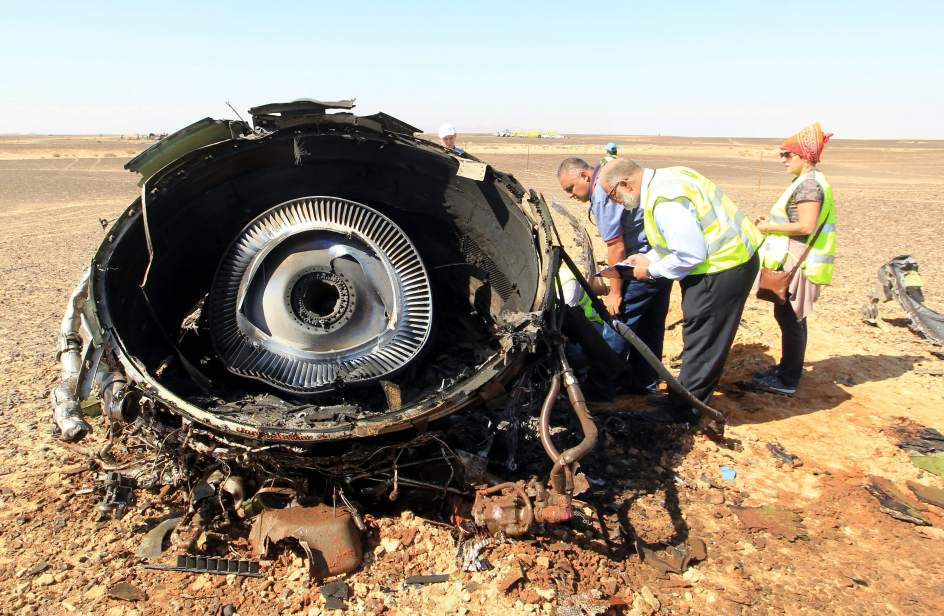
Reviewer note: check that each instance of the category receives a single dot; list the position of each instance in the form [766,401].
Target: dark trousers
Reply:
[596,365]
[645,304]
[793,345]
[711,307]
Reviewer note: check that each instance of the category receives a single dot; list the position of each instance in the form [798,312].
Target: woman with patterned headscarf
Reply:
[804,215]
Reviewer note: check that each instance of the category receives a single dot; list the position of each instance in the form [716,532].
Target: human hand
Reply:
[631,260]
[612,302]
[641,267]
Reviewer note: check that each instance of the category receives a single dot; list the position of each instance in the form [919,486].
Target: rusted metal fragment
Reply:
[894,502]
[674,559]
[327,534]
[927,494]
[153,544]
[779,521]
[126,592]
[503,508]
[393,394]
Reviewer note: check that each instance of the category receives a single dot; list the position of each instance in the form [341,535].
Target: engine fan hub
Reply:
[320,290]
[321,301]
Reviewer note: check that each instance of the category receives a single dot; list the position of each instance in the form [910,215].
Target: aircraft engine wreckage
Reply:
[300,310]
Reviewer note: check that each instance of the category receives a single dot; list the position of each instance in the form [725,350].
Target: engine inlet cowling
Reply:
[321,277]
[319,291]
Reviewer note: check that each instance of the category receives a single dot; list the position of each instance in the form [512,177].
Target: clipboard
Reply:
[623,270]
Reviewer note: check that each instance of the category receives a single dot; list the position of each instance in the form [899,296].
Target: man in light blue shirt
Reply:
[640,304]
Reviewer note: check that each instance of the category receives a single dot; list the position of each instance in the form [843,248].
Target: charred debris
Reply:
[321,314]
[899,279]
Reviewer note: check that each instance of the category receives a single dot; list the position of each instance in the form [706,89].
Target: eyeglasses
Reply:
[786,155]
[610,195]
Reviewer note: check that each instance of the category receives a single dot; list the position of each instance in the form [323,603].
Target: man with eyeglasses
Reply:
[640,304]
[700,238]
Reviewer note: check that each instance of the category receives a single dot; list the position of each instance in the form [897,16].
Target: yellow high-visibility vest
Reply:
[818,265]
[730,237]
[586,304]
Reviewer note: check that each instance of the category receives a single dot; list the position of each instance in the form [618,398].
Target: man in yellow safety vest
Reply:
[700,238]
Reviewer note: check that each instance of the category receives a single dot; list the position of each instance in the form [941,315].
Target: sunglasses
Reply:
[786,155]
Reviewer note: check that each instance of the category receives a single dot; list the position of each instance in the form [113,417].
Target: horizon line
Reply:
[492,134]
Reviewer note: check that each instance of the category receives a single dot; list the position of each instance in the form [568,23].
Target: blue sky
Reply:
[746,69]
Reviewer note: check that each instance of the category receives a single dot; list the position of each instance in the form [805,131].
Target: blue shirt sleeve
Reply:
[609,215]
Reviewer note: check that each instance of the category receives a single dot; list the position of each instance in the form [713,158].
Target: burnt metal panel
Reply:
[199,134]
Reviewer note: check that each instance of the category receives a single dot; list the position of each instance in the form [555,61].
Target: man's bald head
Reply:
[574,175]
[616,170]
[621,179]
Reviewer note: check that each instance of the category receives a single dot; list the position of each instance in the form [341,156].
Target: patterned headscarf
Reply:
[808,143]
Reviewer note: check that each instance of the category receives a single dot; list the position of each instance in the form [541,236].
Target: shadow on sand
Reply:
[823,386]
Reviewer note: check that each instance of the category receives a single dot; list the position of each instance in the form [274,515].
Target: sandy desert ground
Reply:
[835,552]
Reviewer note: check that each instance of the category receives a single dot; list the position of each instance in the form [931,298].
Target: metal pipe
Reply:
[577,400]
[545,424]
[630,336]
[67,413]
[416,483]
[561,478]
[114,386]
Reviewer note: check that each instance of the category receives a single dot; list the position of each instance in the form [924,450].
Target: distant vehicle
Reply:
[503,133]
[532,134]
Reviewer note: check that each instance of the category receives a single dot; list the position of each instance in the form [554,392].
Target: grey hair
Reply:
[572,166]
[619,169]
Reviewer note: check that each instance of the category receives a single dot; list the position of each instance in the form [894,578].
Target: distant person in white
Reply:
[447,134]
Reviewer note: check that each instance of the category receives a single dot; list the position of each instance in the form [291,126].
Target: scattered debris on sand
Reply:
[894,502]
[927,494]
[777,520]
[899,279]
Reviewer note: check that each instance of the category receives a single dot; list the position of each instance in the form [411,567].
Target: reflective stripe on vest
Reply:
[730,237]
[818,266]
[585,303]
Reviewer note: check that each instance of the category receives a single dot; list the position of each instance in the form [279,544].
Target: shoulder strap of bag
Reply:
[809,244]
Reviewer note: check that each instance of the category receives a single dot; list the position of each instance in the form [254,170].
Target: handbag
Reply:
[774,285]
